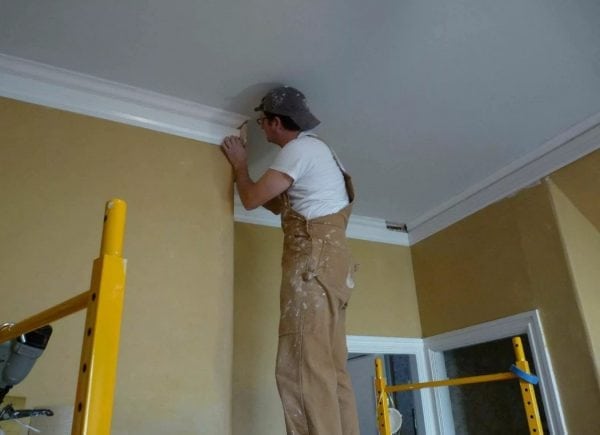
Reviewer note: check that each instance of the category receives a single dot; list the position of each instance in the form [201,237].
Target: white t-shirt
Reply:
[318,188]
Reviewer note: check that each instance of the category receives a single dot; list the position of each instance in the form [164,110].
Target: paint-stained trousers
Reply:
[314,385]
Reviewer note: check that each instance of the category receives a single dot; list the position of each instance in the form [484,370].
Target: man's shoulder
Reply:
[306,149]
[307,141]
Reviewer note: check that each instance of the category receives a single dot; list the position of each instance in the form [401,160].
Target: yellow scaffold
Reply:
[104,305]
[520,371]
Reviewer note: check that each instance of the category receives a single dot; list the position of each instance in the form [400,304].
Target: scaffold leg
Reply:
[97,371]
[527,392]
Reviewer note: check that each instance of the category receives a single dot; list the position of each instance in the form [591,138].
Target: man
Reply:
[307,185]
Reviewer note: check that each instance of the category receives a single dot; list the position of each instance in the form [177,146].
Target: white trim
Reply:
[374,230]
[563,149]
[359,227]
[526,323]
[445,419]
[389,345]
[62,89]
[402,346]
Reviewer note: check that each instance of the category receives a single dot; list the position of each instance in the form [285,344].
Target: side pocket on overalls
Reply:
[350,283]
[334,268]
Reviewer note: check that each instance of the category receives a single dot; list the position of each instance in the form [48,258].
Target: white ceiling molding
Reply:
[62,89]
[359,227]
[563,149]
[67,90]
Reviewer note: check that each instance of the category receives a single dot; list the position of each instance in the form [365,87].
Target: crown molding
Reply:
[50,86]
[74,92]
[572,144]
[359,227]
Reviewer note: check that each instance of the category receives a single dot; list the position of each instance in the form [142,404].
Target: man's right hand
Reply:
[235,150]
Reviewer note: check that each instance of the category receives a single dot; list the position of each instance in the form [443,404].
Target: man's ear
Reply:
[277,123]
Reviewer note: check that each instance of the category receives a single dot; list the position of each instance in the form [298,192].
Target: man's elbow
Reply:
[250,204]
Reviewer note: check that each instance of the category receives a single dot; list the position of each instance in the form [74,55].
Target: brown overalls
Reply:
[314,385]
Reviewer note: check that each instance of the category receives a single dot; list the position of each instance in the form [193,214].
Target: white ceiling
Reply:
[424,100]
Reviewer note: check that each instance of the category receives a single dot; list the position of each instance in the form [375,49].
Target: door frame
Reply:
[528,323]
[403,346]
[430,364]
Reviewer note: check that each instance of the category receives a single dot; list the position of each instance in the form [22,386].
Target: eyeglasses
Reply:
[260,120]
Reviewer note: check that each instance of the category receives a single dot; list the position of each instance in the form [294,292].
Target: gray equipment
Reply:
[17,358]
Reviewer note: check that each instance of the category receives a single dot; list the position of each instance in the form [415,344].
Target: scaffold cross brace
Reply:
[527,377]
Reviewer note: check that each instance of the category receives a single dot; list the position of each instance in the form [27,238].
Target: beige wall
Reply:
[582,245]
[383,304]
[503,260]
[580,182]
[56,171]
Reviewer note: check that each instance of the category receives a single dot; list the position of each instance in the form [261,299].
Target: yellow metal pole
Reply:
[527,391]
[98,366]
[114,228]
[383,414]
[452,382]
[45,317]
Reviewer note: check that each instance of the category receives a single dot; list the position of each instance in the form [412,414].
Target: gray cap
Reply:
[288,101]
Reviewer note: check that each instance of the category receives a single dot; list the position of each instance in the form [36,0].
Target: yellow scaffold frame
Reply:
[521,365]
[104,305]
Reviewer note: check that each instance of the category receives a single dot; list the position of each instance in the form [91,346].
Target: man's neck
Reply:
[286,137]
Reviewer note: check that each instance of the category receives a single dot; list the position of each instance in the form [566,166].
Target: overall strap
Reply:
[347,177]
[335,157]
